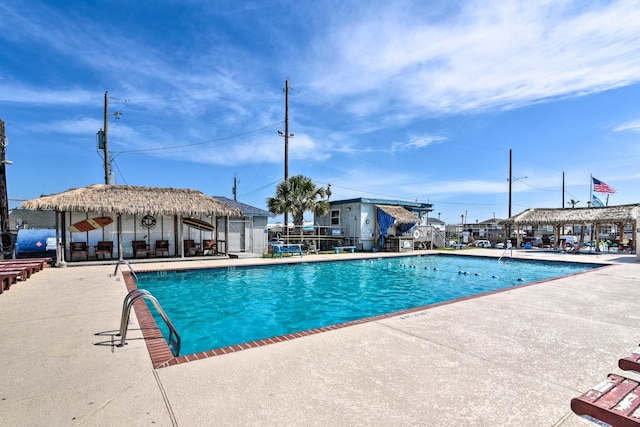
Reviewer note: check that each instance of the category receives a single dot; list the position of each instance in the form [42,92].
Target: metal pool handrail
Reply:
[508,248]
[133,296]
[122,261]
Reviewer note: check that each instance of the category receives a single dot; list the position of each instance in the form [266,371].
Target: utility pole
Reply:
[4,200]
[105,139]
[286,136]
[510,183]
[286,130]
[235,188]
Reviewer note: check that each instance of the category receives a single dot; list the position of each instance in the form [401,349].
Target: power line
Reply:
[541,189]
[201,143]
[250,193]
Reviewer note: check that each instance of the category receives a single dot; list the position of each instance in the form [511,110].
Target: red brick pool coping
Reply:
[161,355]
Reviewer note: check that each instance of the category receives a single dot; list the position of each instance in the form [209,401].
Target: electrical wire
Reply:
[195,144]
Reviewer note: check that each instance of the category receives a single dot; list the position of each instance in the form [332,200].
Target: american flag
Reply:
[601,187]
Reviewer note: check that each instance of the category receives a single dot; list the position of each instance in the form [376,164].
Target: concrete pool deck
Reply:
[512,358]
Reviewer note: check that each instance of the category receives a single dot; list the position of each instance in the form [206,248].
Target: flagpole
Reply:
[590,189]
[562,206]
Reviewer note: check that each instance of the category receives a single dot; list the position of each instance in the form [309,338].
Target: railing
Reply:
[440,240]
[133,296]
[122,261]
[508,248]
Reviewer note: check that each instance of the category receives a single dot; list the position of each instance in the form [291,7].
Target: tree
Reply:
[573,203]
[298,195]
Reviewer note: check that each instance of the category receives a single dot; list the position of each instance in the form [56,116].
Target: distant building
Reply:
[23,218]
[249,233]
[373,224]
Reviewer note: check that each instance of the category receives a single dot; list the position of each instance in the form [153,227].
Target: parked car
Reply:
[534,241]
[482,244]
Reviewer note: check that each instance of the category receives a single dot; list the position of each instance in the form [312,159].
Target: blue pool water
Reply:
[215,308]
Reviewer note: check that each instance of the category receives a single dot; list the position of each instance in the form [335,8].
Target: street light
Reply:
[511,180]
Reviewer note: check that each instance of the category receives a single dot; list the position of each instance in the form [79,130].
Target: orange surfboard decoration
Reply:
[198,224]
[91,224]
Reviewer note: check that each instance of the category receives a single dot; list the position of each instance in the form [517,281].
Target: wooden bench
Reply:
[79,248]
[162,246]
[140,247]
[294,248]
[104,248]
[351,249]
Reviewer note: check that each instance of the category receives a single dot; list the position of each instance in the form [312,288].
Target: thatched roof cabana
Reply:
[126,199]
[622,214]
[399,213]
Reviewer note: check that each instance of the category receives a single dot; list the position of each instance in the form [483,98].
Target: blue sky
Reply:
[407,100]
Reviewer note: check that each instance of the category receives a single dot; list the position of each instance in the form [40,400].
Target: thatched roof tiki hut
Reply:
[619,216]
[123,214]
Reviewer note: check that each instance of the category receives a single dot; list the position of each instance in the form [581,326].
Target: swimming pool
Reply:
[215,308]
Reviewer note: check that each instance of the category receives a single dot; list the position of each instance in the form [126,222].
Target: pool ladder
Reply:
[508,248]
[133,296]
[124,261]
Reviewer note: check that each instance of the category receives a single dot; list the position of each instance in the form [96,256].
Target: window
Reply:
[335,217]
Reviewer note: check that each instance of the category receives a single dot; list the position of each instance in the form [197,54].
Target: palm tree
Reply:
[573,203]
[298,195]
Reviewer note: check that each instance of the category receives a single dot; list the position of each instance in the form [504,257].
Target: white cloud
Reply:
[83,126]
[14,92]
[416,142]
[489,54]
[632,126]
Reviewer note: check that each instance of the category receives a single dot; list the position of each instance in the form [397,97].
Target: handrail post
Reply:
[122,261]
[129,300]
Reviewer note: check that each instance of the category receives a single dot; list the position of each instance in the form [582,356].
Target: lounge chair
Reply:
[613,401]
[631,362]
[140,247]
[161,247]
[190,248]
[26,270]
[7,279]
[104,249]
[209,247]
[79,248]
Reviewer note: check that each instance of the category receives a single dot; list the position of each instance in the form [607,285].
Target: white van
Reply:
[536,242]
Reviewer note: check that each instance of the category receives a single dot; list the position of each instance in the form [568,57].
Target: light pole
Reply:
[511,179]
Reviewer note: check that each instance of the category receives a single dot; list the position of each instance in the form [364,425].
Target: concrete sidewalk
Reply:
[511,358]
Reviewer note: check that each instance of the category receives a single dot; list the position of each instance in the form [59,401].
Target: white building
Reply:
[373,224]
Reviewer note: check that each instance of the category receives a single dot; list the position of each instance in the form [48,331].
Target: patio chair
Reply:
[190,247]
[79,248]
[140,247]
[161,247]
[104,248]
[209,247]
